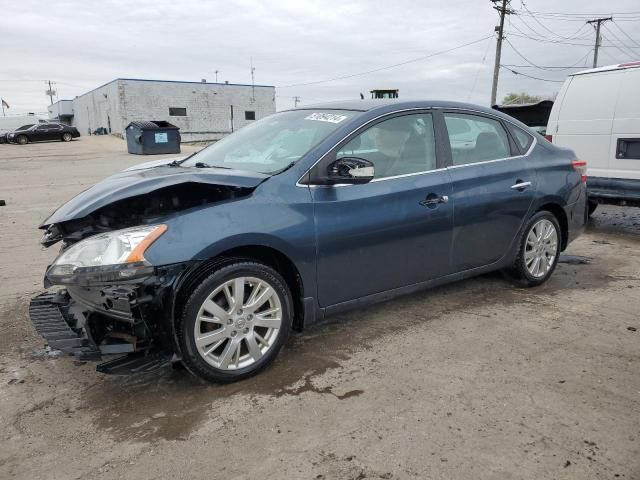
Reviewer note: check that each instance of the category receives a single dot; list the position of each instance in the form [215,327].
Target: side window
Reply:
[475,139]
[43,127]
[523,139]
[398,146]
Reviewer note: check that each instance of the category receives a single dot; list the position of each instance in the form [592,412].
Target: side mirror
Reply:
[350,170]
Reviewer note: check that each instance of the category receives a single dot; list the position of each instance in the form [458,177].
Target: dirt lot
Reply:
[470,381]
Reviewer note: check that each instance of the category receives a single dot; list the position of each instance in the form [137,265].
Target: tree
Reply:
[519,98]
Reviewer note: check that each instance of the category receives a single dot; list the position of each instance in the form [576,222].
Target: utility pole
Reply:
[502,10]
[296,100]
[253,83]
[597,21]
[216,72]
[50,91]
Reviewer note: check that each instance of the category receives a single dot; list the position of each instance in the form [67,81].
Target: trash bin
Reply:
[150,138]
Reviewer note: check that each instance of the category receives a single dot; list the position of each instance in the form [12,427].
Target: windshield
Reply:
[273,143]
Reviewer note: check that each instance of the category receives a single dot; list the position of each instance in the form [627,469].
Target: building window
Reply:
[249,115]
[177,112]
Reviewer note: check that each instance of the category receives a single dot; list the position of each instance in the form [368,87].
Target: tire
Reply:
[591,206]
[236,340]
[67,137]
[524,270]
[22,140]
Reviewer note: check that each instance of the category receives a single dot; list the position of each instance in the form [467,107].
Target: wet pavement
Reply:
[477,379]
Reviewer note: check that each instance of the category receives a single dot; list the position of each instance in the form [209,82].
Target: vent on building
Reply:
[249,115]
[177,112]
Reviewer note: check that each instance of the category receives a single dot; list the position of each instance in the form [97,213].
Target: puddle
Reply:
[615,220]
[574,259]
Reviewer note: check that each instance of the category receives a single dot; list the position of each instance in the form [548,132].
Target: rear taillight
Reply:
[549,138]
[581,167]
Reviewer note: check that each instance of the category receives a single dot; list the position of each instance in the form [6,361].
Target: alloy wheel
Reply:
[541,248]
[238,323]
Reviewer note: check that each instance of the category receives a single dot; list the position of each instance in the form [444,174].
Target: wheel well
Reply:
[561,216]
[269,256]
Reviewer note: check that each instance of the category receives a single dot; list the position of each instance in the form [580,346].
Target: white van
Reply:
[597,115]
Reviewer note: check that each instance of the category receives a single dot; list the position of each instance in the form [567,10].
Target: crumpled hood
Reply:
[140,180]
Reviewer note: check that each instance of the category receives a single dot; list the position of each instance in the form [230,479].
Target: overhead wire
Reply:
[387,67]
[515,72]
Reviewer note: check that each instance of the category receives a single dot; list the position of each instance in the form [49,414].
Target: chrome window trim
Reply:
[463,110]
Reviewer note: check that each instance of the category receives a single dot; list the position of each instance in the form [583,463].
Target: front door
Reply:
[492,189]
[394,231]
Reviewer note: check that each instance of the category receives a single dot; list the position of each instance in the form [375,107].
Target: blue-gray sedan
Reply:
[214,259]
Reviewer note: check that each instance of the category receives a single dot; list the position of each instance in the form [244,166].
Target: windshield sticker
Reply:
[326,117]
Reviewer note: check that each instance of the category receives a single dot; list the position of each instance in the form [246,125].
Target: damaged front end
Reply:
[112,301]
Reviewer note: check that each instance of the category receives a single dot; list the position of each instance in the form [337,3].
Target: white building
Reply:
[202,110]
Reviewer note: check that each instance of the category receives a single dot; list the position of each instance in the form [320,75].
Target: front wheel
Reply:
[539,250]
[235,322]
[66,137]
[22,140]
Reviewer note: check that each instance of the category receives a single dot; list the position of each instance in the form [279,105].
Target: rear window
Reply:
[523,139]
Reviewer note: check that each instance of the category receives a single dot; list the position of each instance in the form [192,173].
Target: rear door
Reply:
[492,188]
[41,132]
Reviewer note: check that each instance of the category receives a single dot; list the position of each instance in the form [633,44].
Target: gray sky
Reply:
[81,45]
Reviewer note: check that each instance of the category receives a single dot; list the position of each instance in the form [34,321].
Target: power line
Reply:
[629,52]
[530,76]
[475,80]
[387,67]
[625,33]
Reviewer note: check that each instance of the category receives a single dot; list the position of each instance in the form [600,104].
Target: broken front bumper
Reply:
[133,320]
[51,318]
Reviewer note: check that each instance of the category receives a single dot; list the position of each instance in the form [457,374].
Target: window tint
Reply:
[397,146]
[43,127]
[523,139]
[177,112]
[476,139]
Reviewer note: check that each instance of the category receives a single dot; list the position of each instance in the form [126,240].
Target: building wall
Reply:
[62,110]
[208,106]
[99,108]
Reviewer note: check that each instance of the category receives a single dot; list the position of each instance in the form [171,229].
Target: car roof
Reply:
[390,105]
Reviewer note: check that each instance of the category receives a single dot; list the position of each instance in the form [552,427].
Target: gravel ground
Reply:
[475,380]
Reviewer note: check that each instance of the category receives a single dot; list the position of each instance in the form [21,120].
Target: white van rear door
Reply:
[585,119]
[625,143]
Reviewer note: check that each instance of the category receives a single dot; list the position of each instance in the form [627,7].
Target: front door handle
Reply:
[520,185]
[434,200]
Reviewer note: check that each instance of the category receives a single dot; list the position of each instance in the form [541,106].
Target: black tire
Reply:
[67,137]
[22,140]
[185,326]
[591,206]
[519,272]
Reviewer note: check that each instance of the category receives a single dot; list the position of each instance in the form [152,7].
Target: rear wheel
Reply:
[66,137]
[592,207]
[539,250]
[235,322]
[22,140]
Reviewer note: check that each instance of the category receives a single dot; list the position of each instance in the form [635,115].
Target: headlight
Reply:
[11,135]
[107,257]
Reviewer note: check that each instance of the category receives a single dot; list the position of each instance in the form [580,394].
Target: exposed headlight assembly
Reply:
[106,257]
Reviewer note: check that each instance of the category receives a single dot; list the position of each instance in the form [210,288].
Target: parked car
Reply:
[597,114]
[44,132]
[215,258]
[4,134]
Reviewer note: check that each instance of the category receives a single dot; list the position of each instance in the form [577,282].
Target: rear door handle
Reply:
[433,200]
[520,185]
